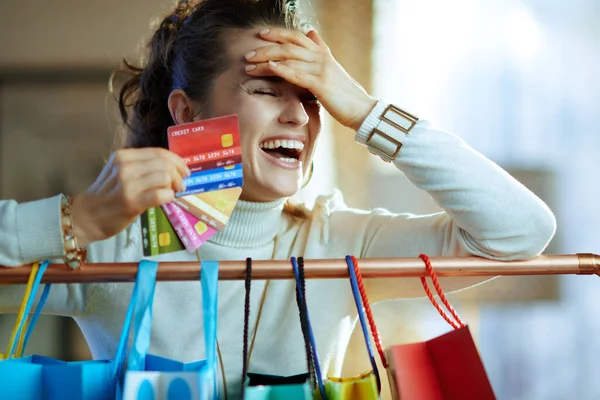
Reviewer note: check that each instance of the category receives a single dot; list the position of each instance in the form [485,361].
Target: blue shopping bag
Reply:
[38,377]
[157,378]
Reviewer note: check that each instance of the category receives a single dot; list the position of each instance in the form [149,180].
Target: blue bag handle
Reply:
[209,279]
[362,318]
[36,316]
[300,291]
[34,289]
[142,315]
[146,267]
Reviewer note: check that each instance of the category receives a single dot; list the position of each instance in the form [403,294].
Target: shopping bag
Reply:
[272,387]
[153,377]
[365,386]
[36,377]
[448,367]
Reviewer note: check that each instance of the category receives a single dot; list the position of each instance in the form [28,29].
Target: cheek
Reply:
[255,118]
[251,125]
[314,125]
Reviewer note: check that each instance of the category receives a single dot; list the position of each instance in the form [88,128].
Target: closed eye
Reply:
[264,92]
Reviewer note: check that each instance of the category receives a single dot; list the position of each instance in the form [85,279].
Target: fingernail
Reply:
[188,172]
[182,187]
[264,31]
[250,54]
[250,67]
[273,64]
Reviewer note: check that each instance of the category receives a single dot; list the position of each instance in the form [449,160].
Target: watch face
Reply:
[399,119]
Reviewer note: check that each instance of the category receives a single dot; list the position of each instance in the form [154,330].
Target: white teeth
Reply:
[286,144]
[289,160]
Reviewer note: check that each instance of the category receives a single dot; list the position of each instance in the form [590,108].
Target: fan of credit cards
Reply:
[212,151]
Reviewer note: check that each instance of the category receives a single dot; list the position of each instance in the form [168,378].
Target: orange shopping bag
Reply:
[447,367]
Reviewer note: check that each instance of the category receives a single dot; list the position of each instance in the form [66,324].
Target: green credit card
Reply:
[158,236]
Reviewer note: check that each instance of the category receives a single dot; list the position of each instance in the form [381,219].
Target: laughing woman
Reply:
[254,59]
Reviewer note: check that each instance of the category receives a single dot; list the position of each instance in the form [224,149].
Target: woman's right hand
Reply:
[132,181]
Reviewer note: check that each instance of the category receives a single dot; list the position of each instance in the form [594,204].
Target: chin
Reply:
[276,193]
[269,192]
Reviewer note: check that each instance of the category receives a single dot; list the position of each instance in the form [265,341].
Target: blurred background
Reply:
[518,80]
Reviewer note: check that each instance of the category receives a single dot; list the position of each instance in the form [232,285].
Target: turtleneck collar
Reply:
[251,224]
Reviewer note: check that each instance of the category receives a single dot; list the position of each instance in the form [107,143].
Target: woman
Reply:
[251,58]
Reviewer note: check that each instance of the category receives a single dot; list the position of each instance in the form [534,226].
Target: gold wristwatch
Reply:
[383,130]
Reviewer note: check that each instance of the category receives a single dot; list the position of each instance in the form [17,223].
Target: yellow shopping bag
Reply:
[366,386]
[363,386]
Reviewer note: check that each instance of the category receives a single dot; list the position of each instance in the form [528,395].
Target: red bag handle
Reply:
[458,323]
[367,306]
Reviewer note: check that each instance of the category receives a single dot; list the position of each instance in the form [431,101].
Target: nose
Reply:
[293,112]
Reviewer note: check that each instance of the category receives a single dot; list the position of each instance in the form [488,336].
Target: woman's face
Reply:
[279,123]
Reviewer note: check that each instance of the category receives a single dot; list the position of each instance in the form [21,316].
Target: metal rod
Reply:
[560,264]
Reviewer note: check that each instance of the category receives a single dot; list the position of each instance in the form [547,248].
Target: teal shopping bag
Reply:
[38,377]
[158,378]
[269,387]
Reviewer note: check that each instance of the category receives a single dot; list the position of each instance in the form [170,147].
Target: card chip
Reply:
[227,140]
[164,239]
[221,205]
[200,227]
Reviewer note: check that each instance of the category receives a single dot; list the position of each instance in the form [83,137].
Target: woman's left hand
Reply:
[306,61]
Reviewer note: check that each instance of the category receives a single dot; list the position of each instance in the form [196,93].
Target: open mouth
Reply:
[288,151]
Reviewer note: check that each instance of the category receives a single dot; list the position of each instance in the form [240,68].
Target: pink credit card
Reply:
[191,230]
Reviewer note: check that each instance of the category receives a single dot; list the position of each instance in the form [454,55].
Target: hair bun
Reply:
[181,13]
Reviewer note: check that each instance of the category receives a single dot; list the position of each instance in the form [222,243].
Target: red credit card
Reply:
[208,144]
[214,159]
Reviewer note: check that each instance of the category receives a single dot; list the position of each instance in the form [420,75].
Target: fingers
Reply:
[287,51]
[265,68]
[161,180]
[315,37]
[151,190]
[143,178]
[299,59]
[296,73]
[155,198]
[282,35]
[127,156]
[147,174]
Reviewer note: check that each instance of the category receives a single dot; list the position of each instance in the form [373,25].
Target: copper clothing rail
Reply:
[559,264]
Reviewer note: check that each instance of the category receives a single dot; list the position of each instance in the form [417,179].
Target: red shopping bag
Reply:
[448,367]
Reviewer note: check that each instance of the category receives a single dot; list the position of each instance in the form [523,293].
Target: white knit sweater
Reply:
[487,213]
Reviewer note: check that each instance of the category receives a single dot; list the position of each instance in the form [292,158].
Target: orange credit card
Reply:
[213,208]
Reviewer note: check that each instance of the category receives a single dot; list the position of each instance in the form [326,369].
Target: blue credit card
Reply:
[213,179]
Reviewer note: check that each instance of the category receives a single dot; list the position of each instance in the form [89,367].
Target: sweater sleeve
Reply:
[487,212]
[31,232]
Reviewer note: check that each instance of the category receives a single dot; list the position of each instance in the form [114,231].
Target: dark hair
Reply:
[188,51]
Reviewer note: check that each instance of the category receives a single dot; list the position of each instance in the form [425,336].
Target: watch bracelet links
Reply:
[75,256]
